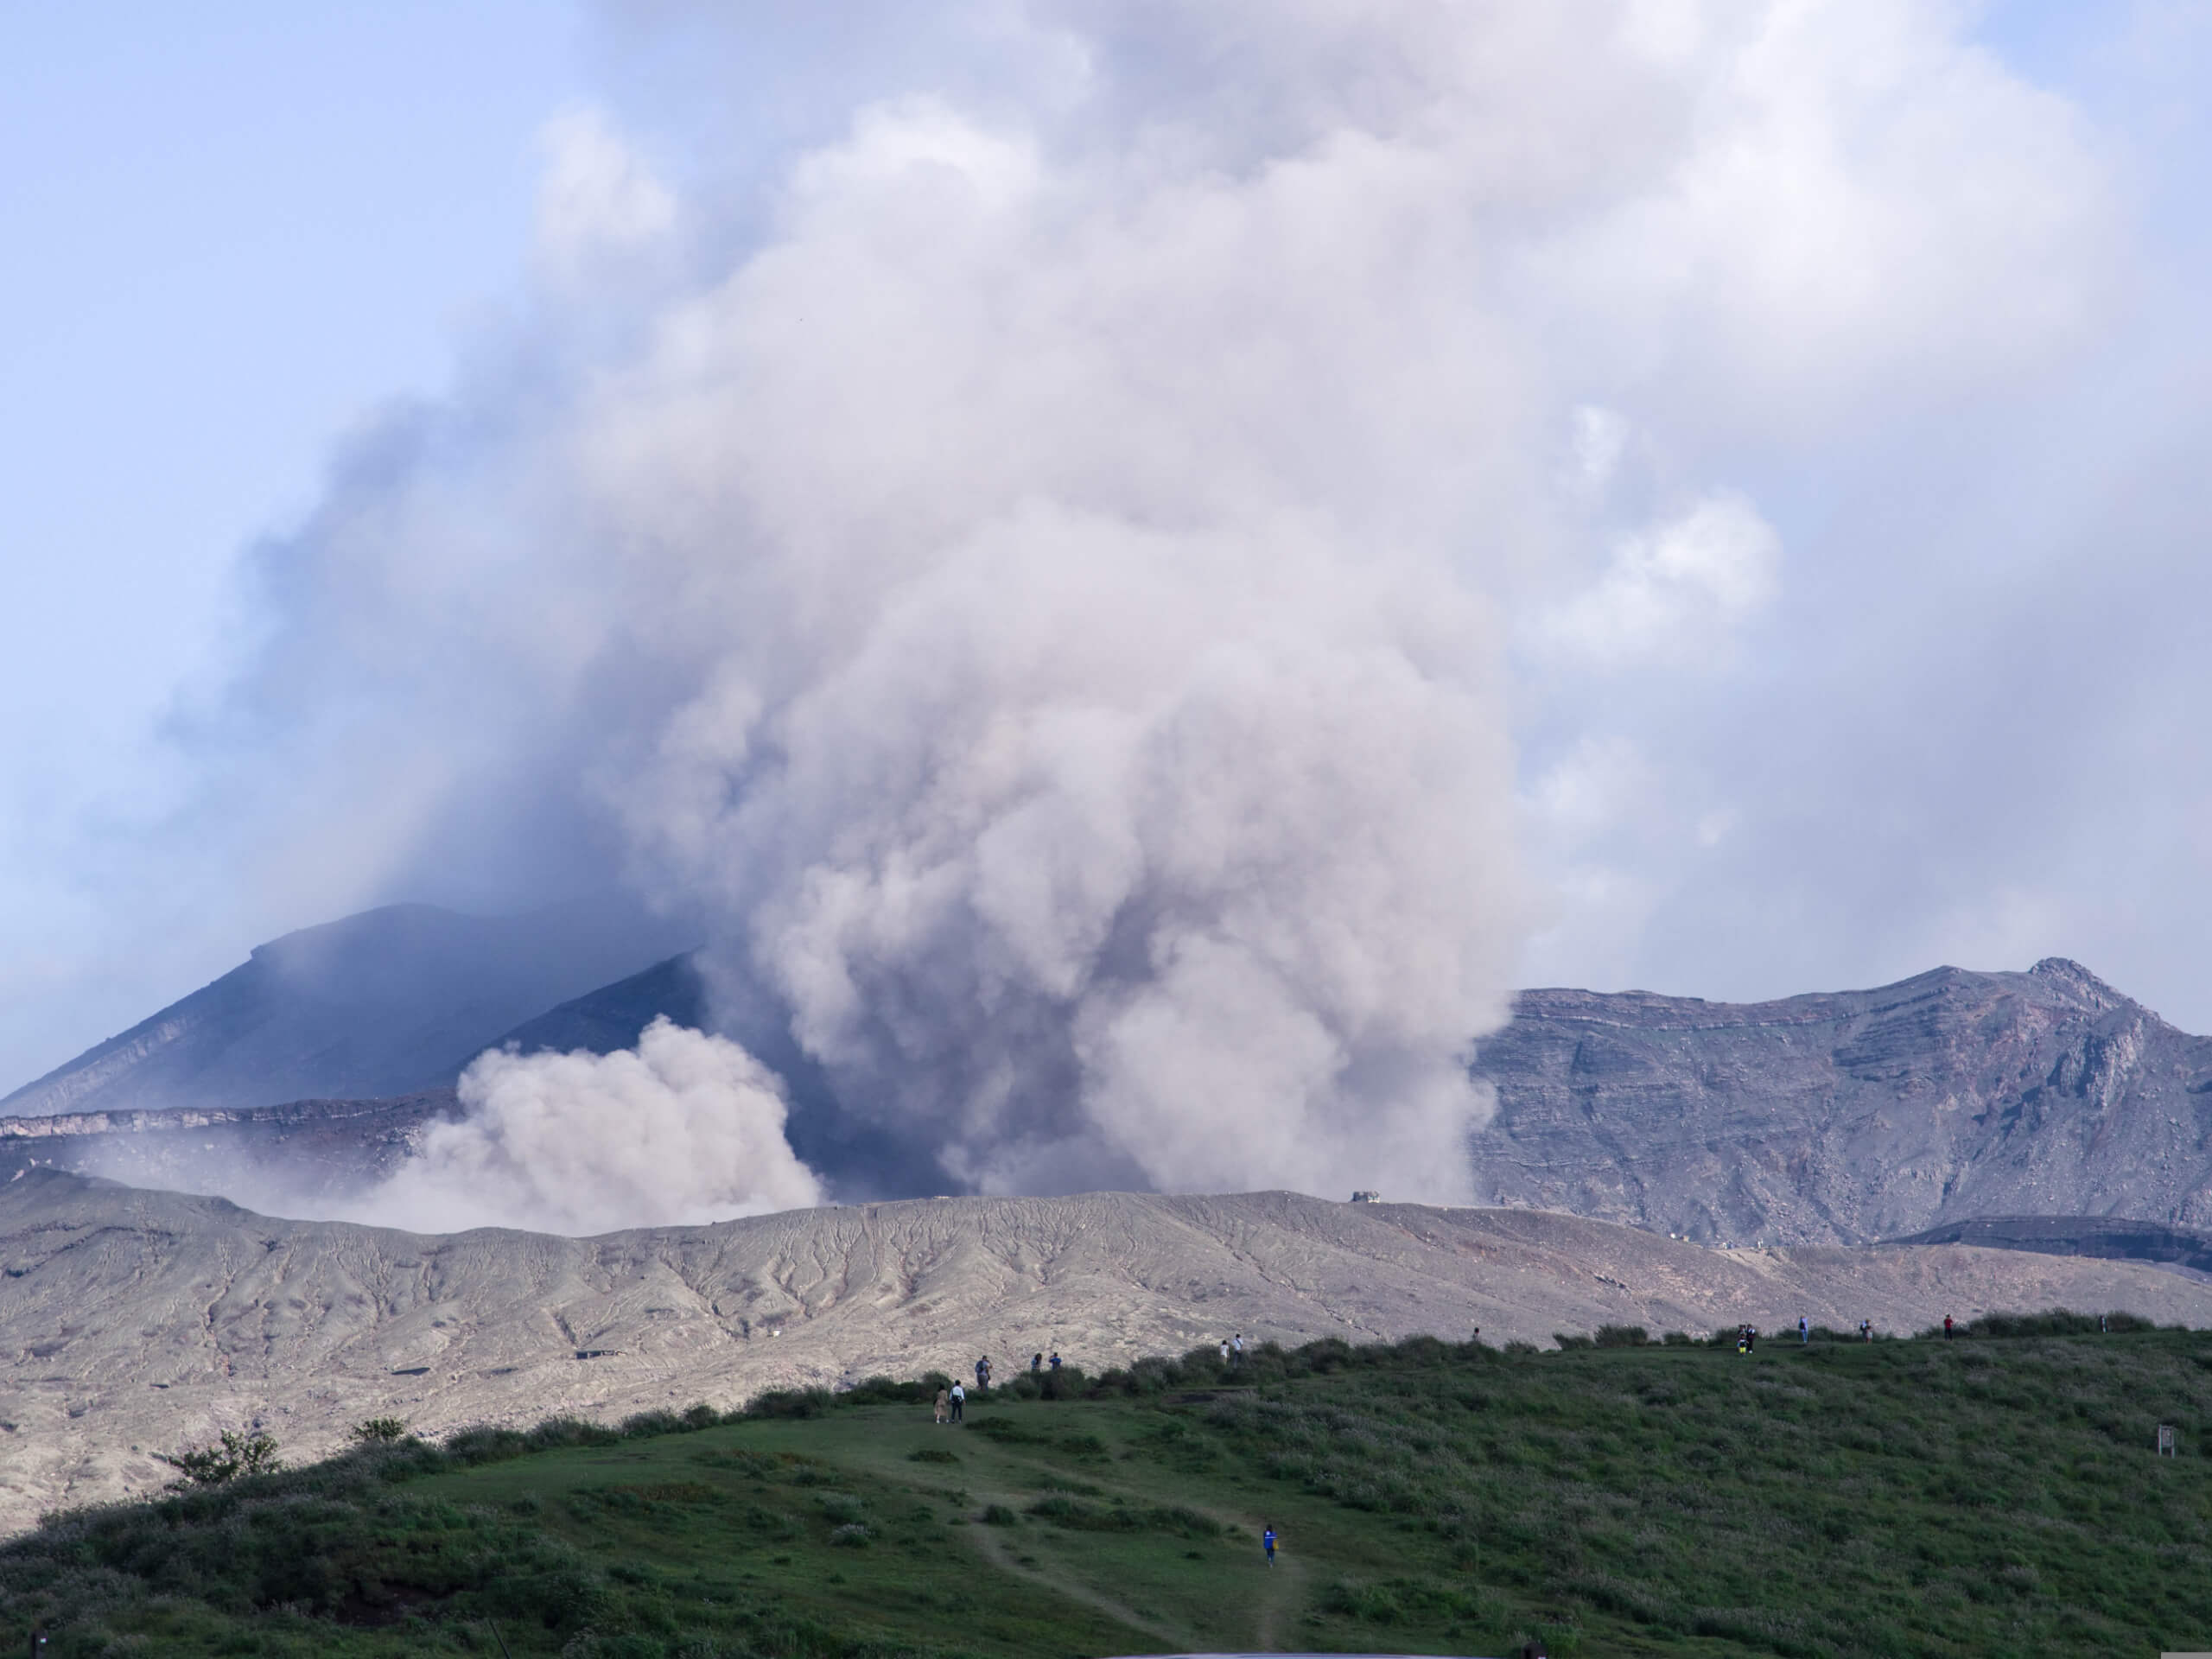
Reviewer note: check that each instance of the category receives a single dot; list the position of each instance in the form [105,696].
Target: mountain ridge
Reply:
[380,1003]
[1850,1116]
[1840,1117]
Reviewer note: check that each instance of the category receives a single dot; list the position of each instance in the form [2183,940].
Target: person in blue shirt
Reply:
[1268,1543]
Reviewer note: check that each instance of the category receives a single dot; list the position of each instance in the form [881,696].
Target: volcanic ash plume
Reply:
[685,1128]
[1098,751]
[1034,575]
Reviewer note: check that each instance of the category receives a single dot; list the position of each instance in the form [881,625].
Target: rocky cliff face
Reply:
[1851,1116]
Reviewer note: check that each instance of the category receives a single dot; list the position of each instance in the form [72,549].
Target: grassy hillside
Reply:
[1998,1494]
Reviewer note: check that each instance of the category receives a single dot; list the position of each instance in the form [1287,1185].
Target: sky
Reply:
[1112,553]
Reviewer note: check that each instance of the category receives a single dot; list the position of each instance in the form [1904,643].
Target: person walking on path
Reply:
[959,1399]
[1947,1327]
[1804,1331]
[1236,1349]
[944,1405]
[1268,1543]
[983,1374]
[1036,1363]
[1054,1362]
[1866,1330]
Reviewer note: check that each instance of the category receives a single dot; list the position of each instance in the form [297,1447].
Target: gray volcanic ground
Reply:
[134,1321]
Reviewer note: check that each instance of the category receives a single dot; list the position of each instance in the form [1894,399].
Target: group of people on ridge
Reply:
[951,1402]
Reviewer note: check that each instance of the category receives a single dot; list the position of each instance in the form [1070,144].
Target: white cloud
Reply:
[1673,594]
[597,200]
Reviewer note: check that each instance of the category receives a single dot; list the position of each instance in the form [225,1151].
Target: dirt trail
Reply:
[1279,1602]
[1278,1598]
[1000,1553]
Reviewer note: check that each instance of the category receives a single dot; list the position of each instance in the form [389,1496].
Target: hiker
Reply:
[983,1374]
[943,1402]
[1866,1330]
[1054,1362]
[1224,1350]
[1804,1331]
[1947,1327]
[1743,1338]
[1750,1339]
[959,1399]
[1237,1345]
[1268,1543]
[1036,1363]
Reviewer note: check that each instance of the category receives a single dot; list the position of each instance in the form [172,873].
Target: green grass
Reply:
[1994,1495]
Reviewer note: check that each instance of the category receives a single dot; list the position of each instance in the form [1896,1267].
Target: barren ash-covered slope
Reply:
[1850,1116]
[133,1321]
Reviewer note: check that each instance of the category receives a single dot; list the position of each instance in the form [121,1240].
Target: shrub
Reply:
[1620,1336]
[885,1391]
[932,1454]
[379,1431]
[1066,1383]
[234,1456]
[852,1536]
[997,1514]
[792,1402]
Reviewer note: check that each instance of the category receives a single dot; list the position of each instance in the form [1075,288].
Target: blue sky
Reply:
[253,259]
[232,235]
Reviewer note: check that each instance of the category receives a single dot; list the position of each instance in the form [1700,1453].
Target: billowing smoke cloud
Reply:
[1039,577]
[684,1128]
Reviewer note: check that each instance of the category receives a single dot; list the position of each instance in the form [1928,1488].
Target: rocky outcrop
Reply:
[1854,1116]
